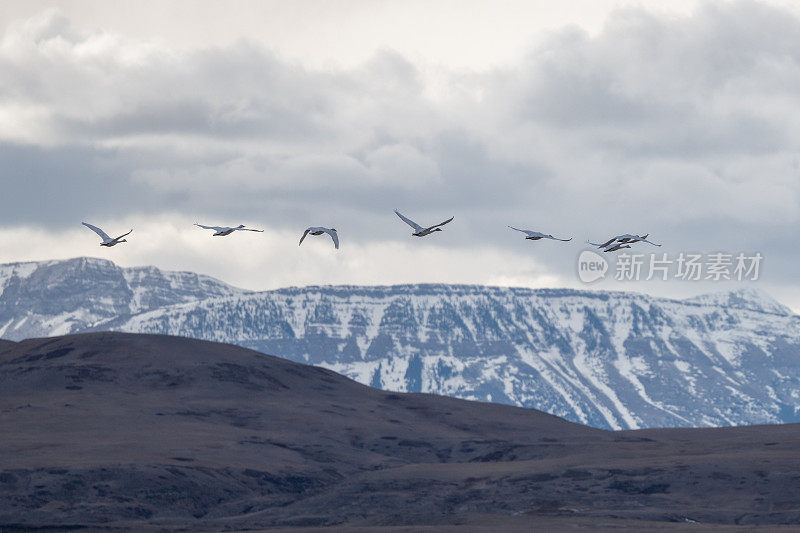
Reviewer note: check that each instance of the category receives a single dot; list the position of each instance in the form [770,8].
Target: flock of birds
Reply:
[613,244]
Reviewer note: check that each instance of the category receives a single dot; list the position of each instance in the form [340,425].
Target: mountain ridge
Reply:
[614,360]
[63,296]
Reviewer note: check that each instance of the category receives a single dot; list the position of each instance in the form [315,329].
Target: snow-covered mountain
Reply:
[608,359]
[49,298]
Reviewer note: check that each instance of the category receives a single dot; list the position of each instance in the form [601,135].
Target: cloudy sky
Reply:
[585,120]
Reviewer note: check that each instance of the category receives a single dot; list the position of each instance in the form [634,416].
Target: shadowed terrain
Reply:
[144,431]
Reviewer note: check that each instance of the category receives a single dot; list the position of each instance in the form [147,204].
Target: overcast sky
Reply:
[586,120]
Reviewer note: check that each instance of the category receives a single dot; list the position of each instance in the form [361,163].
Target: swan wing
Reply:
[408,221]
[526,232]
[215,228]
[334,235]
[608,242]
[304,236]
[649,242]
[103,235]
[443,223]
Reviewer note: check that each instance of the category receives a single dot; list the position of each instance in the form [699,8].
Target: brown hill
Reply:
[143,431]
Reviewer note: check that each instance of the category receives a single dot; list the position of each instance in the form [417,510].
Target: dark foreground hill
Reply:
[140,431]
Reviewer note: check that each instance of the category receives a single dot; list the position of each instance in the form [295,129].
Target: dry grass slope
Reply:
[153,432]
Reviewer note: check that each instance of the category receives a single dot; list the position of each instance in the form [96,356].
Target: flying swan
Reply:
[618,242]
[107,241]
[222,231]
[535,235]
[318,230]
[419,231]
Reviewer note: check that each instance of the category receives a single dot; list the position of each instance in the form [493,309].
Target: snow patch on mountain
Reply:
[748,298]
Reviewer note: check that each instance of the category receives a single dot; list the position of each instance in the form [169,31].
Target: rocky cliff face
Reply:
[608,359]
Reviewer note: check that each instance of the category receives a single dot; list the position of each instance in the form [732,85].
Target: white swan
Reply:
[107,241]
[222,231]
[419,231]
[535,235]
[614,243]
[318,230]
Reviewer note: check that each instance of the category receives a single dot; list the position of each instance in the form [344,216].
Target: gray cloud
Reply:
[685,127]
[659,86]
